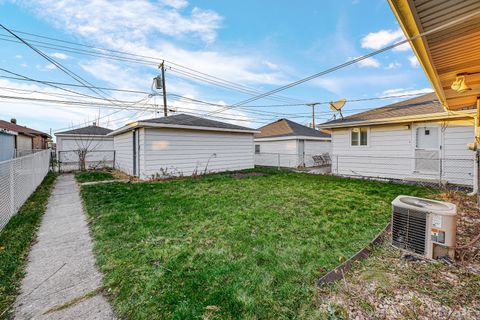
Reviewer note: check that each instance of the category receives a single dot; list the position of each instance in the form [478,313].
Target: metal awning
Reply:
[449,52]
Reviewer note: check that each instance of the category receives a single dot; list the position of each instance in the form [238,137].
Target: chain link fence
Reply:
[72,160]
[19,178]
[292,160]
[421,169]
[24,153]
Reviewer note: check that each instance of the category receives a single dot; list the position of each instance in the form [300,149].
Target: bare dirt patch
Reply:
[388,286]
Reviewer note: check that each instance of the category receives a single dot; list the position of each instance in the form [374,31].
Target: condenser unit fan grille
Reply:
[408,230]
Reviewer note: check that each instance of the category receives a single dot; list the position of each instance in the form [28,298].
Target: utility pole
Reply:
[313,113]
[165,109]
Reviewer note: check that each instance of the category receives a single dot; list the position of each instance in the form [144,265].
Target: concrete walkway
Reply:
[62,281]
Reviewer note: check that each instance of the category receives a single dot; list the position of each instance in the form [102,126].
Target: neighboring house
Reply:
[414,140]
[7,144]
[27,139]
[286,143]
[92,140]
[182,145]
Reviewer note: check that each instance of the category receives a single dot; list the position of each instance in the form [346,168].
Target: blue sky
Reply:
[259,44]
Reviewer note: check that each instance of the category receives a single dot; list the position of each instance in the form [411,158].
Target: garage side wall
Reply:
[24,145]
[283,153]
[175,152]
[315,147]
[123,145]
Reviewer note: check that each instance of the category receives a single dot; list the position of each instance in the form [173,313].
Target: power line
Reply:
[154,61]
[211,103]
[351,62]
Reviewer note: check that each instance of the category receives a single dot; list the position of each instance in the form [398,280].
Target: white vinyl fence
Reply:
[19,178]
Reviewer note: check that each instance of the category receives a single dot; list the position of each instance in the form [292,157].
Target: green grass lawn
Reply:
[220,247]
[90,176]
[15,240]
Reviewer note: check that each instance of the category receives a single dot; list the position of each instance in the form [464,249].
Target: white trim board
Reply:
[142,124]
[405,119]
[292,138]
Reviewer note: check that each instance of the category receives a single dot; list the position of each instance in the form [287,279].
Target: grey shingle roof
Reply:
[21,129]
[192,121]
[90,130]
[425,104]
[285,127]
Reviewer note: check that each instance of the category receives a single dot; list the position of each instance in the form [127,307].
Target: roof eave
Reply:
[416,118]
[147,124]
[411,27]
[280,138]
[79,135]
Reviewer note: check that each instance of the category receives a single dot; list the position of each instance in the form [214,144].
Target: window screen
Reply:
[355,137]
[257,148]
[363,137]
[359,137]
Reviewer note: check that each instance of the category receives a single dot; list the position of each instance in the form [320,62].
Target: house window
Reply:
[257,148]
[359,137]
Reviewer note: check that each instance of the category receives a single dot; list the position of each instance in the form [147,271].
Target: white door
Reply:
[427,149]
[301,153]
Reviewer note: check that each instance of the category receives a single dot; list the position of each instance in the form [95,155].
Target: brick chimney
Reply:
[13,120]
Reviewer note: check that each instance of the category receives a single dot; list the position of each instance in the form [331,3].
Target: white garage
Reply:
[92,141]
[285,143]
[182,145]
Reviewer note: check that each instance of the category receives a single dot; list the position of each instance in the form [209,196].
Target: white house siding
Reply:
[101,148]
[184,152]
[24,144]
[459,160]
[390,153]
[123,145]
[286,153]
[283,153]
[315,147]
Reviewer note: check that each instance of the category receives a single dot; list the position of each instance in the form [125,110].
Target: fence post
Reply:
[278,161]
[440,173]
[113,160]
[336,157]
[12,187]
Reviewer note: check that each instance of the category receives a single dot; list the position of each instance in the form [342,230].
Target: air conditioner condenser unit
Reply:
[424,227]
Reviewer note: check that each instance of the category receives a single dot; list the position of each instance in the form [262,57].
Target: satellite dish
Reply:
[337,106]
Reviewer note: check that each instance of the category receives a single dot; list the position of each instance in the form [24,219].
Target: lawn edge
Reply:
[338,272]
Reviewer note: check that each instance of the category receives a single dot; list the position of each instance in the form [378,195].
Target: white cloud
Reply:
[18,56]
[414,61]
[383,38]
[131,19]
[177,4]
[368,63]
[271,65]
[393,65]
[401,92]
[403,47]
[58,55]
[344,85]
[156,30]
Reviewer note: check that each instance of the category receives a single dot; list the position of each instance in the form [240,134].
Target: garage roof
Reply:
[89,130]
[184,121]
[285,127]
